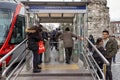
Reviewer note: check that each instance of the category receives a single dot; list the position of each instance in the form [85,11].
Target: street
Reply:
[116,67]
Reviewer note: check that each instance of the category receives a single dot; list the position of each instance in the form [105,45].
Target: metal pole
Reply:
[61,51]
[104,70]
[47,52]
[3,68]
[99,53]
[28,60]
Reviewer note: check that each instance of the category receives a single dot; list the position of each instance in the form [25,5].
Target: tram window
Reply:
[18,34]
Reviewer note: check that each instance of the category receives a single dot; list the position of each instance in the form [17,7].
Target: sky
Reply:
[114,8]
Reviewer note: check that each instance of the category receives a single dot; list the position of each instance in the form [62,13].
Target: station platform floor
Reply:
[56,70]
[60,71]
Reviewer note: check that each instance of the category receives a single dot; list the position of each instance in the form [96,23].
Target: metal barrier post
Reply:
[75,52]
[47,52]
[3,68]
[104,70]
[61,51]
[28,65]
[85,60]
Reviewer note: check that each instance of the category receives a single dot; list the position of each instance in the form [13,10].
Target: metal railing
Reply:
[22,53]
[92,64]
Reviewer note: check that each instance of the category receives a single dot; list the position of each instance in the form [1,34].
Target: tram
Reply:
[12,27]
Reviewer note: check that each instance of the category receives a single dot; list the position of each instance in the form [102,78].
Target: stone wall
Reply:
[98,17]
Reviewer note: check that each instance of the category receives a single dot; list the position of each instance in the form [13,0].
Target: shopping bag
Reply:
[41,47]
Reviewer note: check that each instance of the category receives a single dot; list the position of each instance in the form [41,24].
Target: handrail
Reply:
[4,72]
[10,53]
[21,68]
[99,53]
[96,65]
[90,63]
[93,64]
[18,56]
[8,78]
[87,61]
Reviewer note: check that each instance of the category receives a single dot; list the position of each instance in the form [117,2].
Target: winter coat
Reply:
[111,48]
[33,38]
[96,55]
[89,45]
[67,38]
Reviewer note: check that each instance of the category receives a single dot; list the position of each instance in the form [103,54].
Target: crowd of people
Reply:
[106,44]
[36,34]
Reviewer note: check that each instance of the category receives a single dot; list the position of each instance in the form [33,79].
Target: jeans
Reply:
[108,70]
[35,59]
[68,53]
[40,58]
[114,58]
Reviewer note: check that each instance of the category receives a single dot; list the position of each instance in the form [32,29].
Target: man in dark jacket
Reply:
[111,49]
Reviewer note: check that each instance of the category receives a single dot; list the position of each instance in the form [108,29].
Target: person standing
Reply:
[68,43]
[57,39]
[33,39]
[111,49]
[40,31]
[100,62]
[91,38]
[113,37]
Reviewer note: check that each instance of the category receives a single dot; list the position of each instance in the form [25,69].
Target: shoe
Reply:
[36,70]
[67,62]
[39,67]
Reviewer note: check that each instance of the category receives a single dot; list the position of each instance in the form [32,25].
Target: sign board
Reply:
[57,9]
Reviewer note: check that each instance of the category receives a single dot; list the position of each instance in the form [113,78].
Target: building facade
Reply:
[98,17]
[115,27]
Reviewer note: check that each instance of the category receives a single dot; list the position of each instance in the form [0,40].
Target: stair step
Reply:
[56,78]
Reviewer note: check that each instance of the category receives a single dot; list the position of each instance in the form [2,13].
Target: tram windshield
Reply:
[5,22]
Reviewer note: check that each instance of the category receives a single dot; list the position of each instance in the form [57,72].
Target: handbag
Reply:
[41,47]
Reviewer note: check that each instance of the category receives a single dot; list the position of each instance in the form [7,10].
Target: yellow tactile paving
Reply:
[60,67]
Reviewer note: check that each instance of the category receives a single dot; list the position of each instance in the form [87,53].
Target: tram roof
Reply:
[55,17]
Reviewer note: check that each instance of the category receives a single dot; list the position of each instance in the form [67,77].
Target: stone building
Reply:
[98,17]
[115,27]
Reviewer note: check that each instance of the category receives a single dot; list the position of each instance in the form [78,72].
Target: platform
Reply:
[56,70]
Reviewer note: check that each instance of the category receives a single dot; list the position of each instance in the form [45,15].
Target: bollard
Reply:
[75,53]
[3,68]
[104,70]
[28,60]
[47,52]
[61,51]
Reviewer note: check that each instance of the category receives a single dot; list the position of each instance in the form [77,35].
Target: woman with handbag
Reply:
[33,39]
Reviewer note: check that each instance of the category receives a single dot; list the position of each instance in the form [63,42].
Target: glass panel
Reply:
[19,31]
[5,21]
